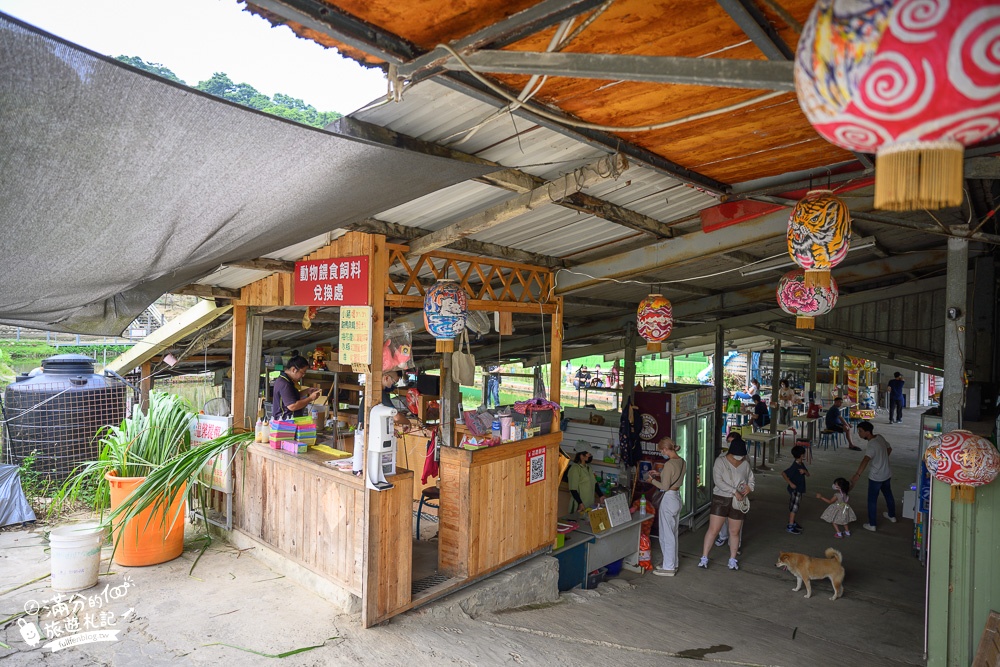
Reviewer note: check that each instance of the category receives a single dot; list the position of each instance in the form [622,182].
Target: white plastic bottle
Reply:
[258,430]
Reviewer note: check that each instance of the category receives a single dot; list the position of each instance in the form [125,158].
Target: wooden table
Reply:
[807,423]
[767,439]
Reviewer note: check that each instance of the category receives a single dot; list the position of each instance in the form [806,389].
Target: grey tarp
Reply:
[14,507]
[117,186]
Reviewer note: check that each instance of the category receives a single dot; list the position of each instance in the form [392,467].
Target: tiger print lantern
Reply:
[819,235]
[804,301]
[913,81]
[655,321]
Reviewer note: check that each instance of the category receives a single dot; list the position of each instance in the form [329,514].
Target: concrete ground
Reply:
[231,607]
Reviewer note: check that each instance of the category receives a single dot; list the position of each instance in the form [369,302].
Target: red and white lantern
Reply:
[806,302]
[913,81]
[655,321]
[962,458]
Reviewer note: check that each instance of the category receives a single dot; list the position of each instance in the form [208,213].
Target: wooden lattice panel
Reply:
[489,282]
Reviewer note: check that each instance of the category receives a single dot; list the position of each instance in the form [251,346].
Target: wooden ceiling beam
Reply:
[497,215]
[264,264]
[481,248]
[756,26]
[714,72]
[207,291]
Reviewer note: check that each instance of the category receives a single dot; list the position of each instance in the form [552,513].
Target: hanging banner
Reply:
[215,473]
[339,281]
[355,336]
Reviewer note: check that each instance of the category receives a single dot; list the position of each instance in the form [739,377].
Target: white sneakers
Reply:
[890,518]
[868,526]
[703,562]
[734,564]
[660,572]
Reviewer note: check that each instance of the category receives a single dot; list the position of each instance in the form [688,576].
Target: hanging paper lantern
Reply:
[445,310]
[819,235]
[963,459]
[805,301]
[911,81]
[655,320]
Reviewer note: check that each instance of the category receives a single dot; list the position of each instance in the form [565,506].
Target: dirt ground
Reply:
[233,608]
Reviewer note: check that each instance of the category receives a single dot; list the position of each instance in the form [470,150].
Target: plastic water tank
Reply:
[57,413]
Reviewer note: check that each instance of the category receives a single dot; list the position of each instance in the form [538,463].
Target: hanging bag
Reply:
[464,363]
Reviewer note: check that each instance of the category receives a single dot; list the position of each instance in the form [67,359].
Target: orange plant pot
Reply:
[144,540]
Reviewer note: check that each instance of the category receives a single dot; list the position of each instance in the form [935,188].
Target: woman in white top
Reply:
[734,481]
[786,398]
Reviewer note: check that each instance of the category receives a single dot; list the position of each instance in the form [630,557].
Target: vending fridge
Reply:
[685,413]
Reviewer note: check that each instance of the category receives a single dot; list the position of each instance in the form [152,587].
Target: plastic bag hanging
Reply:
[397,346]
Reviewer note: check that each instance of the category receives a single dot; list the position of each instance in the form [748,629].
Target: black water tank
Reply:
[58,412]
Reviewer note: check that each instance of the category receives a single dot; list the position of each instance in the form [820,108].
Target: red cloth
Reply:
[430,465]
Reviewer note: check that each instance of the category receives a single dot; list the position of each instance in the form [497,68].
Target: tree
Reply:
[220,85]
[152,68]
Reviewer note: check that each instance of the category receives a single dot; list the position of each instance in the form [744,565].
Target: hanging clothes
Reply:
[430,461]
[629,447]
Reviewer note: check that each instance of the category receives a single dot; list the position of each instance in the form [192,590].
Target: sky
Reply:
[196,38]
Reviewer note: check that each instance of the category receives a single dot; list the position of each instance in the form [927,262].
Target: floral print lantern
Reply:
[819,235]
[913,81]
[806,302]
[655,321]
[446,307]
[964,460]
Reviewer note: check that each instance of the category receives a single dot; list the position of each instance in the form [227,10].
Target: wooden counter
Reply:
[490,516]
[315,515]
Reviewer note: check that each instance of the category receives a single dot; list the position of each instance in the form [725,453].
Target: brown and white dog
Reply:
[806,568]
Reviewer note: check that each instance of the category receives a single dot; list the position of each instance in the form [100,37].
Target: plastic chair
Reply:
[427,495]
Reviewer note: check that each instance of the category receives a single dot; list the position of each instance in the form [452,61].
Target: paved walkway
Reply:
[231,604]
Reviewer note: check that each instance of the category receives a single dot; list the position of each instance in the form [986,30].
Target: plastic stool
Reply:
[427,495]
[829,437]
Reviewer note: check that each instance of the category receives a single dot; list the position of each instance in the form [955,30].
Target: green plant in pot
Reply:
[142,473]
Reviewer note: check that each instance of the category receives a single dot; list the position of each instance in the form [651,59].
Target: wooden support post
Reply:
[775,380]
[813,360]
[239,375]
[628,374]
[555,365]
[145,384]
[719,381]
[671,368]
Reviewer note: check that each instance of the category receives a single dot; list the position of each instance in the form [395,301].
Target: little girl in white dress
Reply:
[839,513]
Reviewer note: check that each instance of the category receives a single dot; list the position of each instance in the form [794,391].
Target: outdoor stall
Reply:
[497,500]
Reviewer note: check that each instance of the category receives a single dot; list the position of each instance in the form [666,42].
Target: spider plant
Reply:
[141,444]
[161,485]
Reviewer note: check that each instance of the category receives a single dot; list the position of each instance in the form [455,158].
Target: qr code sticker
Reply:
[537,473]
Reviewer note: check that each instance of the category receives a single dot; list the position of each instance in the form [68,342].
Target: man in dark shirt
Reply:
[288,400]
[896,398]
[762,417]
[835,422]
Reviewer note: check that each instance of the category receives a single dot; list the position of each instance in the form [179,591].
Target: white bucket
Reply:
[76,556]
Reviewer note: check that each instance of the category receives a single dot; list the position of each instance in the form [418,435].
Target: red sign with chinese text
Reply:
[534,465]
[339,281]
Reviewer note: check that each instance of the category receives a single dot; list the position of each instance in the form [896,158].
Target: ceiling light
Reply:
[782,262]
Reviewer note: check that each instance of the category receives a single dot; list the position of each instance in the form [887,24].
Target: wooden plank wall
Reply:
[489,516]
[313,516]
[391,524]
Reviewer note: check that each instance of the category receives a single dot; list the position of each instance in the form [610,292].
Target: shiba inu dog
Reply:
[806,568]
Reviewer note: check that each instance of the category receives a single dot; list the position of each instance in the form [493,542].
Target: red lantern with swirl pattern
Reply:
[913,81]
[804,301]
[655,320]
[819,235]
[962,458]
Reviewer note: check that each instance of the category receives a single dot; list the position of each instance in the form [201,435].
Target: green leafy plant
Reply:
[156,445]
[35,485]
[138,446]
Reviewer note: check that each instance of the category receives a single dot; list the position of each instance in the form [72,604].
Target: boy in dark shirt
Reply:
[762,417]
[795,476]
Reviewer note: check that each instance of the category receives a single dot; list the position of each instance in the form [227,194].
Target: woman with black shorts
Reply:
[734,481]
